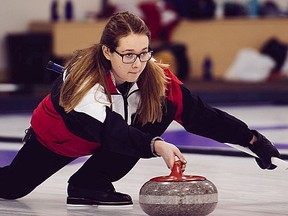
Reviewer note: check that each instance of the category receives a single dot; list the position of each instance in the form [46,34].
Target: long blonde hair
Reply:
[89,66]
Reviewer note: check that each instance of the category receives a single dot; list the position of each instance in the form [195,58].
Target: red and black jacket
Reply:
[92,123]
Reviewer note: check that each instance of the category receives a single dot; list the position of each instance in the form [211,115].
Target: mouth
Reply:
[135,73]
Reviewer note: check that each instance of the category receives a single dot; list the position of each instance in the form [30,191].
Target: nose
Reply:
[137,62]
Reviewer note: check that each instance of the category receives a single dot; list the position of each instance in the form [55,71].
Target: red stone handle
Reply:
[176,175]
[176,170]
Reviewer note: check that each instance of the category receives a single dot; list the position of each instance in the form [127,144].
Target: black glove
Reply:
[264,149]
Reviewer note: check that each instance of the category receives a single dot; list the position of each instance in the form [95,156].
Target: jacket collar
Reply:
[112,84]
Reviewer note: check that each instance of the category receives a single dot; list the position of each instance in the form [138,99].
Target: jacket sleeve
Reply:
[115,134]
[120,137]
[199,118]
[96,122]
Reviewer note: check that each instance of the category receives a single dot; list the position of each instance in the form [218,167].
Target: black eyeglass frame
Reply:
[137,56]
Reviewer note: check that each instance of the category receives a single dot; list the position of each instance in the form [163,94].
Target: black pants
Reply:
[34,163]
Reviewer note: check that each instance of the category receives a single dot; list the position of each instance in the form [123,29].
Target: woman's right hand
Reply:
[168,152]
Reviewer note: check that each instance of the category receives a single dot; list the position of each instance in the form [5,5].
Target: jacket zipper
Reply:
[125,98]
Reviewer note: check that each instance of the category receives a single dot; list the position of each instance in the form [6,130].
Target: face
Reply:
[131,44]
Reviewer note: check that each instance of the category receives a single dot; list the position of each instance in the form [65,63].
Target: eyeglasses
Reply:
[130,58]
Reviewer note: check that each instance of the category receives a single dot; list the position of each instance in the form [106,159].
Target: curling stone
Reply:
[178,195]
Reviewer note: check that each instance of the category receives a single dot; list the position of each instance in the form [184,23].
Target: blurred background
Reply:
[228,52]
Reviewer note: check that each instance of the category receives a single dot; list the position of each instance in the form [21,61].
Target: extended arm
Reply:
[204,120]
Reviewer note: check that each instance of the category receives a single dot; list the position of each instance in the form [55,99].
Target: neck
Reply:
[124,87]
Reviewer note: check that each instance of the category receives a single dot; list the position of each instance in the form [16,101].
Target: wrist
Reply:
[153,141]
[253,140]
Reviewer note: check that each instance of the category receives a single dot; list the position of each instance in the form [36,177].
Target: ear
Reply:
[106,52]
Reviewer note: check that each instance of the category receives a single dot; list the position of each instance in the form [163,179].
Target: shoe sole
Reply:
[73,202]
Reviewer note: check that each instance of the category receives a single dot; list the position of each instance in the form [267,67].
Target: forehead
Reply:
[136,42]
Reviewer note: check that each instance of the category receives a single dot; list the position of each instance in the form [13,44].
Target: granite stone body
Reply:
[189,195]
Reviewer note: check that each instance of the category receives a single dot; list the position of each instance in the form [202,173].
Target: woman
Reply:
[113,102]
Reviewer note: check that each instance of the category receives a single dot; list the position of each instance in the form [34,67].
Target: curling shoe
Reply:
[79,197]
